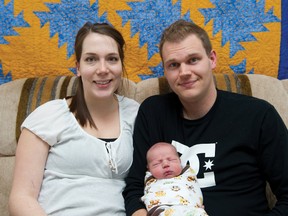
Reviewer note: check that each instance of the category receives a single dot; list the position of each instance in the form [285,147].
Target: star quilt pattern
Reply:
[37,36]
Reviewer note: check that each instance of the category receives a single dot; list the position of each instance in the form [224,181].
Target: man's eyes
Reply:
[193,60]
[173,65]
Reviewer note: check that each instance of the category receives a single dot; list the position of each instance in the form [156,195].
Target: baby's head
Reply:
[163,161]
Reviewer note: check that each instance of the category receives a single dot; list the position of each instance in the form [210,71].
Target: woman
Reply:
[73,153]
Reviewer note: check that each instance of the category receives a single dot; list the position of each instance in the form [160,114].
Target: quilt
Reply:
[37,36]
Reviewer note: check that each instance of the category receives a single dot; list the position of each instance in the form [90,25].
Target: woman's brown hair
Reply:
[78,105]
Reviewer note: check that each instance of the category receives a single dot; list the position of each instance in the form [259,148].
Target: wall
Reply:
[37,36]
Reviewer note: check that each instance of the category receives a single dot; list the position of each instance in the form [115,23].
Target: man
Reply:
[234,142]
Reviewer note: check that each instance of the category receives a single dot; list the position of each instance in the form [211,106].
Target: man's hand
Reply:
[140,212]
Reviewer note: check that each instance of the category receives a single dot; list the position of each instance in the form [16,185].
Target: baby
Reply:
[169,188]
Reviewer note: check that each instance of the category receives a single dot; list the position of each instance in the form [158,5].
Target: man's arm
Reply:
[150,127]
[274,159]
[135,180]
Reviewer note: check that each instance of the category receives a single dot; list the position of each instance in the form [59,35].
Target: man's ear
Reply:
[78,68]
[213,59]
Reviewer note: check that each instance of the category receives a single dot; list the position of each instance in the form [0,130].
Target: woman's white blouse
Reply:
[83,175]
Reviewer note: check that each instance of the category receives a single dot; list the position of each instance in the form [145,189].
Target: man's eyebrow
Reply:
[187,57]
[193,54]
[170,60]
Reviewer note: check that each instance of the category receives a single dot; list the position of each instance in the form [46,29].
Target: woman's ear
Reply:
[78,68]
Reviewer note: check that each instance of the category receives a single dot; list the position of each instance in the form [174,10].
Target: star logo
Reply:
[208,164]
[199,156]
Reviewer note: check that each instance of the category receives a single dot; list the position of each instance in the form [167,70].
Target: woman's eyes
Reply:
[90,59]
[111,59]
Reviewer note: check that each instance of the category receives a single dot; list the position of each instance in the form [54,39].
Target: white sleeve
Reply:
[49,120]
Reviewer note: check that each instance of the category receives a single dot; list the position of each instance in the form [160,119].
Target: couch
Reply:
[20,97]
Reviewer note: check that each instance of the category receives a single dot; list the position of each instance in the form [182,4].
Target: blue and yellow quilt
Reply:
[37,36]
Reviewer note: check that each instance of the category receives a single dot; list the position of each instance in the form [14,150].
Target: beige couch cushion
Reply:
[6,175]
[24,95]
[9,100]
[20,97]
[272,90]
[285,84]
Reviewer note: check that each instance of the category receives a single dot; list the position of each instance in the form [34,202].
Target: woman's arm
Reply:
[31,156]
